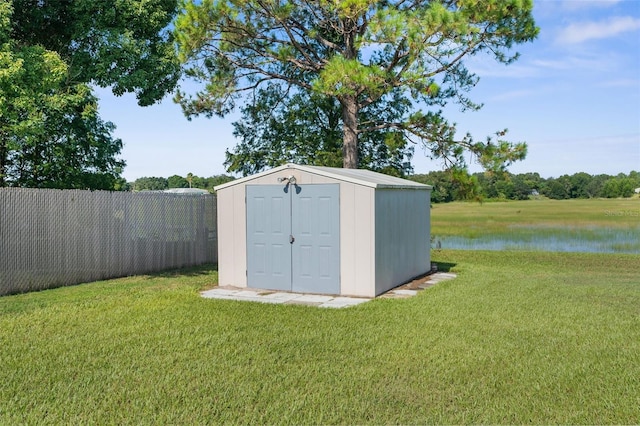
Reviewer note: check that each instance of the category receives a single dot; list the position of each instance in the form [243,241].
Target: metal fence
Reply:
[51,238]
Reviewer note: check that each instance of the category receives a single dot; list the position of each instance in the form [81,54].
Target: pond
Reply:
[548,238]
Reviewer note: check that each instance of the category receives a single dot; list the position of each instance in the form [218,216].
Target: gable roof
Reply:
[356,176]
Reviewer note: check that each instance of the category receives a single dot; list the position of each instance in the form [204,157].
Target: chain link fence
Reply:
[51,238]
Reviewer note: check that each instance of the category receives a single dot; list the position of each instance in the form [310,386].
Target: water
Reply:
[545,238]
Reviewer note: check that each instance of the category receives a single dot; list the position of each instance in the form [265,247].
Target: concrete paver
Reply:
[322,301]
[313,298]
[219,292]
[281,297]
[343,302]
[405,292]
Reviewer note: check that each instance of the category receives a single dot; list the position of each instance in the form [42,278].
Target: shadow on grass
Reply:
[444,266]
[189,271]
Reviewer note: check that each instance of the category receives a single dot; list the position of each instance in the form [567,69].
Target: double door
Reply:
[293,237]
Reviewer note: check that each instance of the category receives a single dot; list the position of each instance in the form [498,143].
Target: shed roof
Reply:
[356,176]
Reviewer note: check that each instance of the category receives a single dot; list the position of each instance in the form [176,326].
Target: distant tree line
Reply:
[458,185]
[175,181]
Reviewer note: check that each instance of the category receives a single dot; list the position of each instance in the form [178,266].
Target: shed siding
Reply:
[302,178]
[226,238]
[384,232]
[357,233]
[402,236]
[232,224]
[240,234]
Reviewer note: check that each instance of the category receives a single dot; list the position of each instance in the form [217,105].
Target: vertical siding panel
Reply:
[227,240]
[348,218]
[364,240]
[240,235]
[402,236]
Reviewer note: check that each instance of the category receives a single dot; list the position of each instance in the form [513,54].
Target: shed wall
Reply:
[232,237]
[356,231]
[384,233]
[402,245]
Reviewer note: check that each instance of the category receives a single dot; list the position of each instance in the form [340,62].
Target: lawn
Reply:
[516,338]
[472,218]
[599,225]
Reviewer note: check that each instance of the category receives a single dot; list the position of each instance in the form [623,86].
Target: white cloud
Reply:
[551,8]
[584,4]
[514,94]
[485,67]
[512,71]
[598,63]
[580,32]
[628,82]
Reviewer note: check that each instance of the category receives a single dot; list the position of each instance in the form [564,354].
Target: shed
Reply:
[322,230]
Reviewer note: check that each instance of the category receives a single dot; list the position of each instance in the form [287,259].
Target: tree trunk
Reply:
[350,130]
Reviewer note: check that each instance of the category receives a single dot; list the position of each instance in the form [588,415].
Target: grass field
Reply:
[600,225]
[516,338]
[469,218]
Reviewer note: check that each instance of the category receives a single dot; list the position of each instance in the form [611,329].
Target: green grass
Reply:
[470,218]
[516,338]
[600,225]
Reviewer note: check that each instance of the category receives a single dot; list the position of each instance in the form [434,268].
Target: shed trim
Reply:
[356,176]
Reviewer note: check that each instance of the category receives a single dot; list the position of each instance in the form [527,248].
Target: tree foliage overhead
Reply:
[357,53]
[51,52]
[50,132]
[124,44]
[305,128]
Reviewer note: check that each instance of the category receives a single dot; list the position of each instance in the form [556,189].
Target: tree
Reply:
[594,188]
[443,185]
[217,180]
[305,129]
[150,184]
[50,132]
[523,186]
[176,181]
[51,52]
[557,189]
[579,185]
[124,44]
[358,53]
[451,185]
[619,186]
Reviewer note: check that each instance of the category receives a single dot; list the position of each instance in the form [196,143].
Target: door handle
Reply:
[291,239]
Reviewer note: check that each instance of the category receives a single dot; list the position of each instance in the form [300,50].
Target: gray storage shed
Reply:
[322,230]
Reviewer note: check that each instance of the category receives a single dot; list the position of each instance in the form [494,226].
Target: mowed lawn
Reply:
[518,337]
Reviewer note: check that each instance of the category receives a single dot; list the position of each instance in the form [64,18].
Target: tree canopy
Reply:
[452,186]
[124,44]
[176,181]
[356,53]
[458,185]
[51,53]
[305,128]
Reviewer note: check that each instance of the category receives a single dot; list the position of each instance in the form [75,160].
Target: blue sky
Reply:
[573,96]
